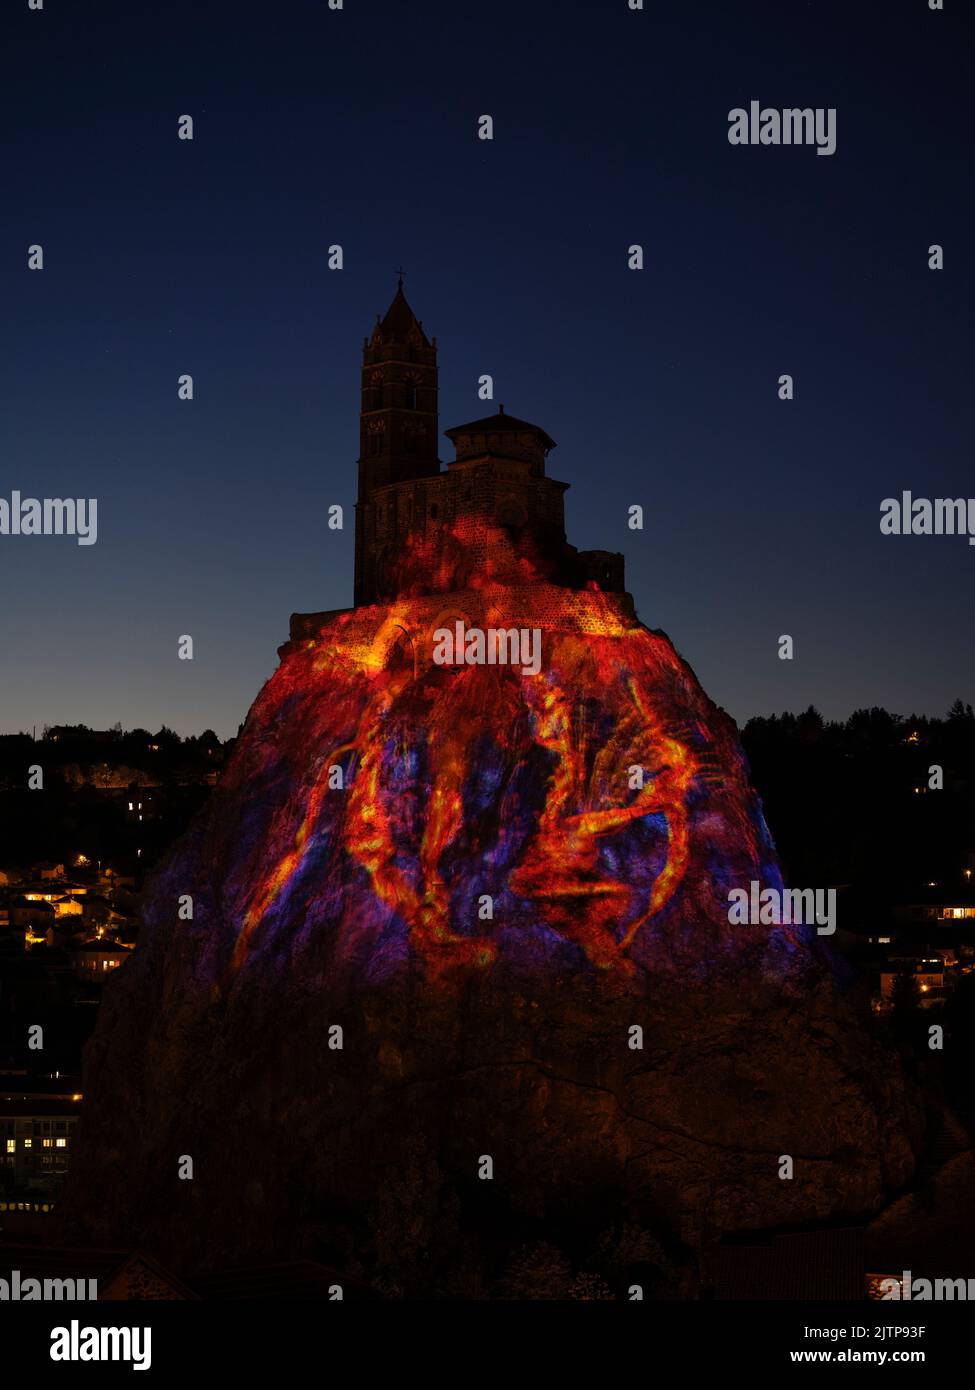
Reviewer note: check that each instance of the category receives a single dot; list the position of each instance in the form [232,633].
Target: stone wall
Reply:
[366,633]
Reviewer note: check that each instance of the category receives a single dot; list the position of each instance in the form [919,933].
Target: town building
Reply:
[48,871]
[928,972]
[36,1134]
[92,960]
[940,904]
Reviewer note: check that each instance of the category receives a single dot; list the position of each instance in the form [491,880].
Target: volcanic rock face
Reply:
[460,975]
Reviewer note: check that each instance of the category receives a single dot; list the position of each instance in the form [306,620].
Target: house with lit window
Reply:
[35,1142]
[139,803]
[33,917]
[48,871]
[92,960]
[928,972]
[41,890]
[939,904]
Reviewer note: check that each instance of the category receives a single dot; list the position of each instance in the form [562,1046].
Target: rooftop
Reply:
[501,424]
[400,321]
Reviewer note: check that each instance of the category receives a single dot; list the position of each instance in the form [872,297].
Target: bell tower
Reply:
[397,424]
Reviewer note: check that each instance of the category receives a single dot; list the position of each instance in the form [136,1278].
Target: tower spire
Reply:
[397,435]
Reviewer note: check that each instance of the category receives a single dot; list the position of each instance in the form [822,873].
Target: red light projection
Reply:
[566,801]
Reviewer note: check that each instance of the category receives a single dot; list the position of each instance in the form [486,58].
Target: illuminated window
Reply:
[11,1146]
[60,1143]
[28,1143]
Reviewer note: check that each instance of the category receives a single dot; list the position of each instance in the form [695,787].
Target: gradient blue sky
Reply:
[358,127]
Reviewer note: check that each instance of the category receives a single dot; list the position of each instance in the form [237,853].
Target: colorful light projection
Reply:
[473,782]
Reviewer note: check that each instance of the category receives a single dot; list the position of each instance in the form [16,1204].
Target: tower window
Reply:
[409,395]
[433,511]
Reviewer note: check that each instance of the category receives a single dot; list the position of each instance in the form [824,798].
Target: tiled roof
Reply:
[500,424]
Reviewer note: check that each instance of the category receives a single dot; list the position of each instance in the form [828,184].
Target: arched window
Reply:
[409,395]
[433,511]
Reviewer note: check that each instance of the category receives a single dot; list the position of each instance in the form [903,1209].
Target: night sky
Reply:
[358,127]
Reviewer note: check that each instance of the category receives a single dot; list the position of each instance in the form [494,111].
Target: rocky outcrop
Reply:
[459,975]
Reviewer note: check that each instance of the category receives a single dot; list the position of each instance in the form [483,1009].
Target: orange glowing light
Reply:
[394,706]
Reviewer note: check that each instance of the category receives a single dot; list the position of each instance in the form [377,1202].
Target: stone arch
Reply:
[394,646]
[401,651]
[446,617]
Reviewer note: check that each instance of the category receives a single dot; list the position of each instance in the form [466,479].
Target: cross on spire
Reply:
[401,273]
